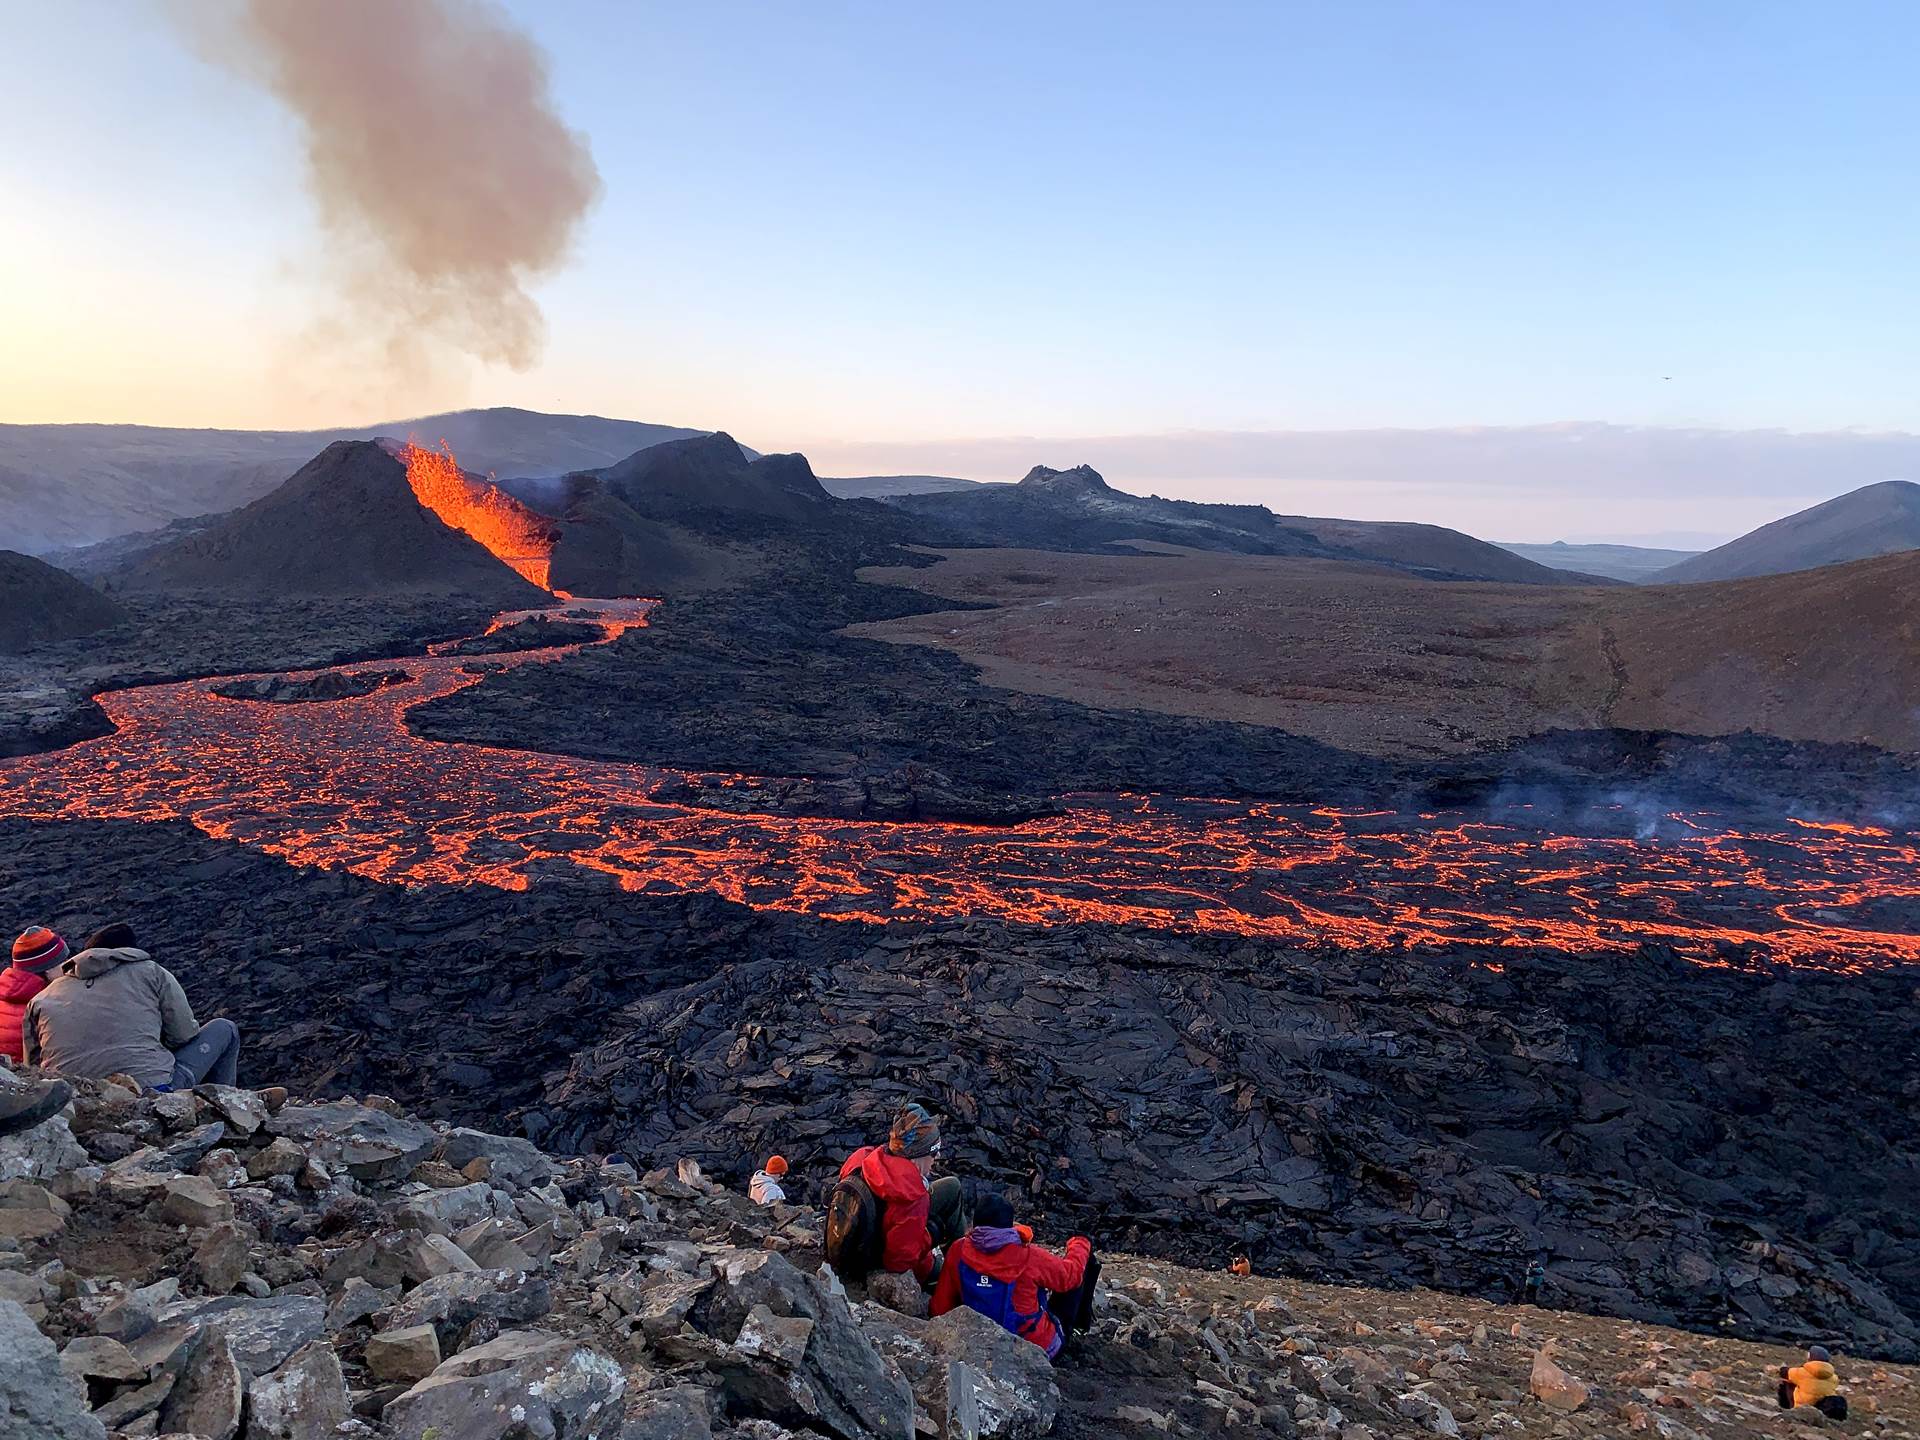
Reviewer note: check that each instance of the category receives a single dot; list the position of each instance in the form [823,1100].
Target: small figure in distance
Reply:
[1024,1289]
[765,1187]
[1536,1278]
[1815,1383]
[111,1010]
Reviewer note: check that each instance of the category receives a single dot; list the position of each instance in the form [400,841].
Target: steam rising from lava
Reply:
[445,181]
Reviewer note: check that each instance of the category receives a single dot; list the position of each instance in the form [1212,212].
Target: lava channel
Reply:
[346,784]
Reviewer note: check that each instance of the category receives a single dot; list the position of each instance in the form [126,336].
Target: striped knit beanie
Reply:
[39,949]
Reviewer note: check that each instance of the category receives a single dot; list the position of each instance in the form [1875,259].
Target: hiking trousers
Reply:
[948,1217]
[212,1055]
[1072,1310]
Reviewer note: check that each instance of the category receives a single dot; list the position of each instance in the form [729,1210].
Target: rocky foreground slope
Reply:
[209,1264]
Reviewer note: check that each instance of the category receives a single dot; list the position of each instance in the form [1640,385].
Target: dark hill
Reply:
[40,605]
[346,524]
[71,485]
[686,515]
[1078,510]
[1874,520]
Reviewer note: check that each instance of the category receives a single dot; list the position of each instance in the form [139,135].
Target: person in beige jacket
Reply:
[111,1010]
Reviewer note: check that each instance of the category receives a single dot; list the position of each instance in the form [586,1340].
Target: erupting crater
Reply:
[346,784]
[519,538]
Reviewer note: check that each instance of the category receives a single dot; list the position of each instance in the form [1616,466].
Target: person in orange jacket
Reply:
[1031,1292]
[35,954]
[915,1217]
[1814,1383]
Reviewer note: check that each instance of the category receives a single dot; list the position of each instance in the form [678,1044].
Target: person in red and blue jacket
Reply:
[35,954]
[1037,1295]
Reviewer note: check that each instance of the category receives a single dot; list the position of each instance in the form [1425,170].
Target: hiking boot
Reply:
[273,1097]
[26,1106]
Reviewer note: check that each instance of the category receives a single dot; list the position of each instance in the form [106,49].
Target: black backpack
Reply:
[854,1239]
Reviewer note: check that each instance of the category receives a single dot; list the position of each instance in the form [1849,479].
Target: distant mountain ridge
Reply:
[1635,564]
[1076,509]
[74,485]
[1881,519]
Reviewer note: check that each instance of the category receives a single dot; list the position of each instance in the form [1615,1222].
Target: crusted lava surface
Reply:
[1720,1146]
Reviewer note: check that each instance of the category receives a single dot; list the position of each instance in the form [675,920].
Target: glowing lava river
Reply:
[345,784]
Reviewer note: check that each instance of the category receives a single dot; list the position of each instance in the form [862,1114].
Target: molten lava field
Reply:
[343,783]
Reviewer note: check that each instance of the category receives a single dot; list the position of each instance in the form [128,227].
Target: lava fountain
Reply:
[346,784]
[518,537]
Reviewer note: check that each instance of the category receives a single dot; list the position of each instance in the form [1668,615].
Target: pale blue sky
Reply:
[834,223]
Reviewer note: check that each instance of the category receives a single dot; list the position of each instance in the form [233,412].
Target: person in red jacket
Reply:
[915,1218]
[1037,1295]
[35,954]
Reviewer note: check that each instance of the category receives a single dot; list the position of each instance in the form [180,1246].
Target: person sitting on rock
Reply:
[914,1219]
[111,1010]
[35,954]
[1031,1292]
[1814,1383]
[765,1187]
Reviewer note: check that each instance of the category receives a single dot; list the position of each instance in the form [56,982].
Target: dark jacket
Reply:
[897,1184]
[109,1012]
[995,1272]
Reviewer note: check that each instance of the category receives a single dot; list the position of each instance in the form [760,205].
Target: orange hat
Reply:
[39,949]
[776,1165]
[1025,1232]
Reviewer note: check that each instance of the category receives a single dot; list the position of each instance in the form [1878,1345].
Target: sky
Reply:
[911,235]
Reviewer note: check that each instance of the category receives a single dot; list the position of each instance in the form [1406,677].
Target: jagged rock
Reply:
[31,1226]
[193,1201]
[97,1357]
[132,1404]
[1016,1395]
[38,1401]
[244,1111]
[681,1413]
[663,1306]
[513,1163]
[220,1259]
[841,1383]
[177,1110]
[450,1303]
[1554,1387]
[305,1399]
[356,1301]
[207,1398]
[428,1257]
[40,1153]
[901,1293]
[263,1333]
[441,1212]
[368,1144]
[403,1355]
[224,1168]
[525,1383]
[281,1157]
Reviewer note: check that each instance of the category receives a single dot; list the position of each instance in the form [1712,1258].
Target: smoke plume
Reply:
[444,180]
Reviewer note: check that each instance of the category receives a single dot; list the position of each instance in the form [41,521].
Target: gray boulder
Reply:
[452,1302]
[47,1150]
[305,1399]
[37,1401]
[830,1377]
[368,1144]
[206,1400]
[525,1383]
[263,1333]
[680,1413]
[513,1163]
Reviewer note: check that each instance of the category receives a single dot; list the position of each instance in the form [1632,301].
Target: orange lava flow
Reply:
[517,536]
[346,785]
